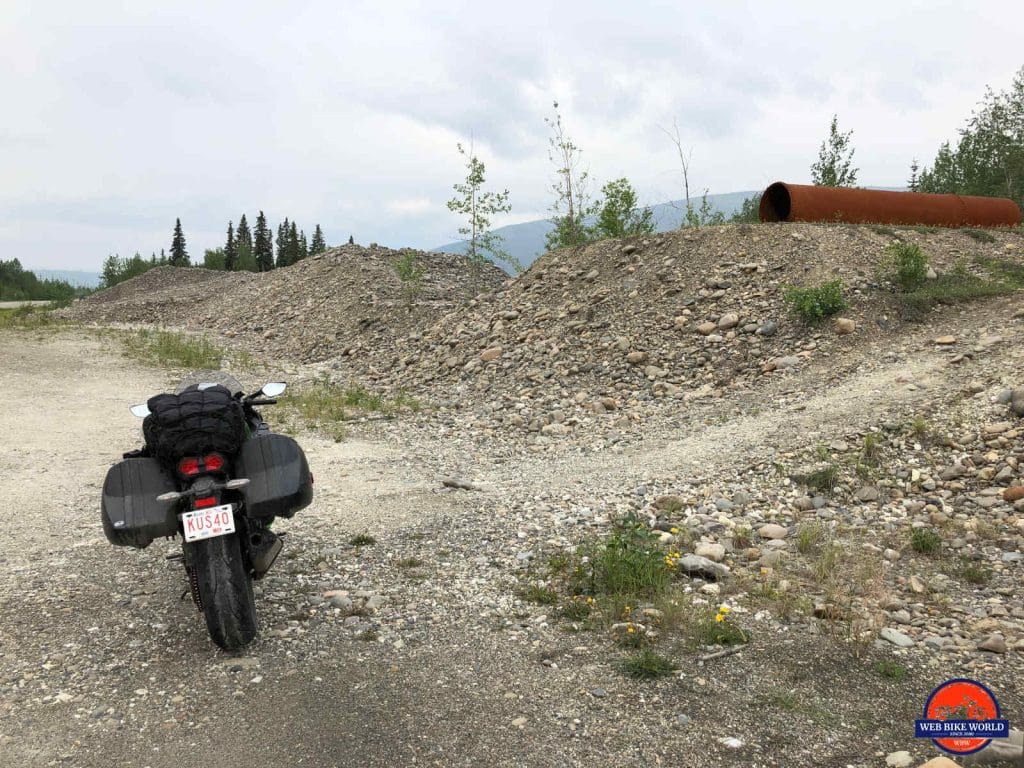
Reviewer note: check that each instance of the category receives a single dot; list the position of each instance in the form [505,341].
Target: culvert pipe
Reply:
[803,202]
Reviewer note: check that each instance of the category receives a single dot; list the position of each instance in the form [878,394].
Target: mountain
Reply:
[74,277]
[525,241]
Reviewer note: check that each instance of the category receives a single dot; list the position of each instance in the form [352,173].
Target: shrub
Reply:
[906,266]
[812,305]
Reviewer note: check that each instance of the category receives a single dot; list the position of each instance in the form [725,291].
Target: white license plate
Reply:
[202,524]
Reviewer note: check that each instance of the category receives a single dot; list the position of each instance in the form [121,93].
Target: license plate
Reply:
[202,524]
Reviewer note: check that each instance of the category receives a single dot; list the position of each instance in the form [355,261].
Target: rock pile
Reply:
[344,300]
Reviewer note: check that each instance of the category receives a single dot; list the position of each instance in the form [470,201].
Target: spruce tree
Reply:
[283,252]
[179,255]
[351,240]
[263,245]
[293,244]
[303,246]
[243,247]
[318,244]
[230,250]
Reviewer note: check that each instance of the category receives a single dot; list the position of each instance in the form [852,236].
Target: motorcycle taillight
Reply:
[214,462]
[188,467]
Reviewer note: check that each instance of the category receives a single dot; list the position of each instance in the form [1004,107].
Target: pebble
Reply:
[901,759]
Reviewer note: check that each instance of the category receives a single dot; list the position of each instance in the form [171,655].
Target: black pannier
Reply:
[132,517]
[194,423]
[279,480]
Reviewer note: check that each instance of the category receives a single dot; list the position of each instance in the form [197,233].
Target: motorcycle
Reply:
[213,473]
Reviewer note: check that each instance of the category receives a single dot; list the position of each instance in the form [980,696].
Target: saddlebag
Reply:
[280,483]
[132,517]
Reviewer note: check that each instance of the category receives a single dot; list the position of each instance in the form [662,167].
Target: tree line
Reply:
[245,249]
[19,284]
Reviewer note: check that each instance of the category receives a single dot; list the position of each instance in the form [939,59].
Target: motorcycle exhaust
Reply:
[264,547]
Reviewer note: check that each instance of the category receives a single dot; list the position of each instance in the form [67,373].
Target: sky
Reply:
[121,117]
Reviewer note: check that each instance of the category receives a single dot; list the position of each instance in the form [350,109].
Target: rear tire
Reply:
[225,590]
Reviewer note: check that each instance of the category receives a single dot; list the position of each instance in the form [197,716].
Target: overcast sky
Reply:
[119,117]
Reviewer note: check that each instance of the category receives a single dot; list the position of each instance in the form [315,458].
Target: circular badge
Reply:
[967,711]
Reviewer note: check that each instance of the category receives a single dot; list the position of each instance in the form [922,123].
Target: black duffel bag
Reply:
[194,423]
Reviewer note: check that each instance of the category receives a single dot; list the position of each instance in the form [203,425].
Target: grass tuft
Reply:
[362,540]
[648,665]
[174,350]
[925,541]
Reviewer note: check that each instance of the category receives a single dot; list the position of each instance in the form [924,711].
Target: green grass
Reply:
[990,277]
[541,595]
[814,304]
[174,350]
[974,573]
[326,405]
[647,665]
[822,480]
[891,670]
[980,235]
[711,627]
[29,318]
[809,536]
[925,541]
[630,562]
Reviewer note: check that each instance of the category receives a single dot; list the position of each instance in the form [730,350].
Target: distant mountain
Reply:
[74,277]
[526,241]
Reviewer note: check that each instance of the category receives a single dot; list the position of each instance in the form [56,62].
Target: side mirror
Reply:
[141,410]
[274,388]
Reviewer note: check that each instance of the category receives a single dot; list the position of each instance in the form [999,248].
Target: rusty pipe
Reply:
[802,202]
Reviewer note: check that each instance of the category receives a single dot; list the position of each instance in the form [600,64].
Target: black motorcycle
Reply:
[213,473]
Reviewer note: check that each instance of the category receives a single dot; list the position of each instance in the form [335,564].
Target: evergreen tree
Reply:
[914,181]
[351,240]
[303,246]
[230,250]
[263,245]
[284,255]
[835,160]
[243,247]
[293,244]
[318,244]
[179,255]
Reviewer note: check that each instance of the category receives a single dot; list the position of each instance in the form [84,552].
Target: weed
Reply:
[578,608]
[906,266]
[541,595]
[974,573]
[630,562]
[809,536]
[919,428]
[962,285]
[742,537]
[362,540]
[326,405]
[891,670]
[28,317]
[648,665]
[814,304]
[827,562]
[884,231]
[716,628]
[174,350]
[871,448]
[823,452]
[980,235]
[822,480]
[925,541]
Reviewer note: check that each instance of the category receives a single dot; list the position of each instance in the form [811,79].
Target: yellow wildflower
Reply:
[719,617]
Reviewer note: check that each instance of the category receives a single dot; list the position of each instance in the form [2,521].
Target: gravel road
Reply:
[418,649]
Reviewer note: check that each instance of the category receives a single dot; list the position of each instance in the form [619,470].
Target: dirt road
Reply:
[101,663]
